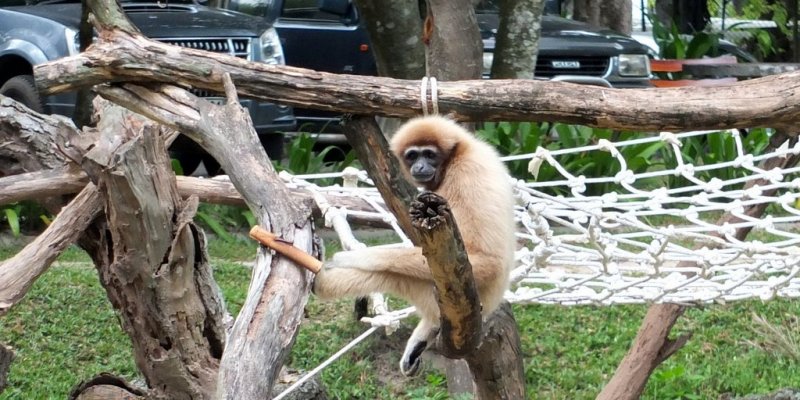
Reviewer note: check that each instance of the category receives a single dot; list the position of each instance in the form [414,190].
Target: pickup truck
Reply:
[329,35]
[37,31]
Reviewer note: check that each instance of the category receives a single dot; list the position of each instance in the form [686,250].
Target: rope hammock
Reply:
[639,243]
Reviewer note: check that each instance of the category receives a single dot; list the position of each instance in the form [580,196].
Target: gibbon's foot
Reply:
[423,334]
[409,364]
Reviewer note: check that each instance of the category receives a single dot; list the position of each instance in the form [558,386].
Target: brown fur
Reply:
[477,188]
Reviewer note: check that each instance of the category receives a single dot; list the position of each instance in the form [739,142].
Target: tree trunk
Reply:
[158,277]
[497,364]
[517,42]
[265,329]
[613,14]
[455,51]
[395,32]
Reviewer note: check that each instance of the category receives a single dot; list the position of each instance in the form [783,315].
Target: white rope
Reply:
[423,95]
[325,363]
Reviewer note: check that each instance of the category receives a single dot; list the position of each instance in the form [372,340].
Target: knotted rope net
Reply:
[637,243]
[653,227]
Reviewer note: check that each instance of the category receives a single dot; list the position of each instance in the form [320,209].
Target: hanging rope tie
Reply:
[423,95]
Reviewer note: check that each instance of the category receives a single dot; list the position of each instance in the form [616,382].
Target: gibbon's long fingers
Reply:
[299,257]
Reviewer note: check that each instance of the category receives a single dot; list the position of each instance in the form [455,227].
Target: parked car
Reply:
[37,31]
[329,35]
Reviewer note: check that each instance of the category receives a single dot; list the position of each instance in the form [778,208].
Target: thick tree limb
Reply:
[18,273]
[41,184]
[265,328]
[372,148]
[158,278]
[771,101]
[28,138]
[496,366]
[456,291]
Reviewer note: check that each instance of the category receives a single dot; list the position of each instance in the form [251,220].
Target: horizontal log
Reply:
[772,101]
[64,181]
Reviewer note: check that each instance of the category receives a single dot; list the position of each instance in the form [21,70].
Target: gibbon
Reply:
[443,157]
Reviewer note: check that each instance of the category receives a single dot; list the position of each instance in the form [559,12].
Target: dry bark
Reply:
[267,324]
[18,273]
[41,184]
[498,377]
[771,101]
[29,139]
[157,276]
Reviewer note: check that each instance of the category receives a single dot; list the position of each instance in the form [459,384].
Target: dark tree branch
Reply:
[398,193]
[457,294]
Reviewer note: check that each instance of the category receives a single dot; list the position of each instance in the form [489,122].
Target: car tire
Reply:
[22,88]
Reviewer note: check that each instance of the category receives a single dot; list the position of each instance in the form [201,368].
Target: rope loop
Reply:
[434,94]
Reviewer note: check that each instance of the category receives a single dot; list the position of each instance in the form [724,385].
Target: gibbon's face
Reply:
[424,163]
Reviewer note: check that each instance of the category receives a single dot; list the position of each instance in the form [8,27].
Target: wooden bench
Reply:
[680,66]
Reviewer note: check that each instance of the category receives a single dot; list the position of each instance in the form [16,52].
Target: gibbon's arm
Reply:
[402,261]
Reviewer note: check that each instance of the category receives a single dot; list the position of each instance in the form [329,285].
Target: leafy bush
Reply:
[25,216]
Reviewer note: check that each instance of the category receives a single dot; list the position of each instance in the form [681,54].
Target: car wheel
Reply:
[22,88]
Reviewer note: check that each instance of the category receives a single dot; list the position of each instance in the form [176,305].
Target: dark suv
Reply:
[34,32]
[328,35]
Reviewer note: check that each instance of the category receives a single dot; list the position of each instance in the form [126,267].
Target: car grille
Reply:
[548,67]
[237,47]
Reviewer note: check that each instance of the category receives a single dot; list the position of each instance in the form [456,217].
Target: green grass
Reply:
[65,331]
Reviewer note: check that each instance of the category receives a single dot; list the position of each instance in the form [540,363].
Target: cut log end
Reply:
[286,249]
[429,211]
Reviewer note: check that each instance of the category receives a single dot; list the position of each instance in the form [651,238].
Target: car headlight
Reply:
[634,65]
[271,50]
[488,58]
[73,41]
